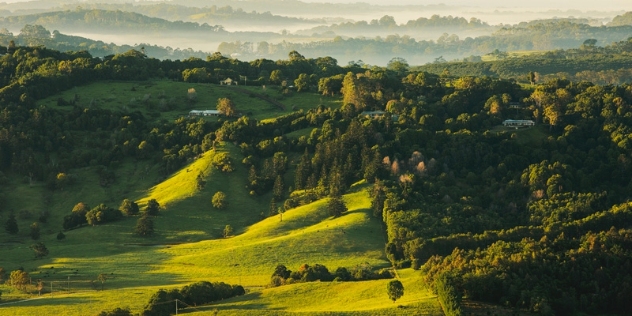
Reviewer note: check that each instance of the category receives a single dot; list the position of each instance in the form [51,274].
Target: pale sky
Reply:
[535,4]
[488,4]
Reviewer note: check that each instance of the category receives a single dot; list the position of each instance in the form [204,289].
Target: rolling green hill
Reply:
[164,99]
[137,267]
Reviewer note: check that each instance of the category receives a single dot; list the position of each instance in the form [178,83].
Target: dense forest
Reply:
[535,218]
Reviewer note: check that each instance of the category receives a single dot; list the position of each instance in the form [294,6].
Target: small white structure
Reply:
[204,113]
[518,123]
[228,82]
[373,114]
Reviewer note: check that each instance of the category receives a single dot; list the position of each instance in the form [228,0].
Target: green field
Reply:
[164,99]
[188,247]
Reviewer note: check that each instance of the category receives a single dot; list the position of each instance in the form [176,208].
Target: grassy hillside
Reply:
[163,99]
[137,267]
[326,298]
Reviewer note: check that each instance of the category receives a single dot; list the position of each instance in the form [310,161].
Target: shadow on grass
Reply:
[46,301]
[236,304]
[359,210]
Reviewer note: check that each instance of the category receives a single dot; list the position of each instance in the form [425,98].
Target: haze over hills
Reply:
[377,41]
[298,157]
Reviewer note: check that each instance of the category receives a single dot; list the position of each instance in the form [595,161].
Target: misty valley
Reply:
[286,157]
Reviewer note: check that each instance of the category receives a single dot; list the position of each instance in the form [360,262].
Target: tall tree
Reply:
[226,106]
[276,77]
[152,208]
[219,200]
[35,231]
[228,231]
[395,290]
[102,277]
[302,82]
[11,225]
[336,206]
[129,207]
[278,188]
[144,226]
[350,91]
[40,250]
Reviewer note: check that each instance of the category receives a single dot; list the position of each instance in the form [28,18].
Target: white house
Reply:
[373,114]
[229,82]
[518,123]
[204,113]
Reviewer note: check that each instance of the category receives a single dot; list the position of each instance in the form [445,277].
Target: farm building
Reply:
[518,123]
[373,114]
[378,114]
[204,113]
[228,82]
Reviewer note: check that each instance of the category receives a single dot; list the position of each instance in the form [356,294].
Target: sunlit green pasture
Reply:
[306,235]
[188,247]
[326,298]
[164,99]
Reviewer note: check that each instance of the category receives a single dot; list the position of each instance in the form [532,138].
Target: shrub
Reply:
[116,312]
[219,200]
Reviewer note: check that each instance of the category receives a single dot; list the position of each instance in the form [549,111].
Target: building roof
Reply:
[204,112]
[373,113]
[518,121]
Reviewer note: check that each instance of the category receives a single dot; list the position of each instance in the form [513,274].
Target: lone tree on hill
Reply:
[336,206]
[226,106]
[395,290]
[219,200]
[35,231]
[102,277]
[153,207]
[11,225]
[228,231]
[40,250]
[61,236]
[144,226]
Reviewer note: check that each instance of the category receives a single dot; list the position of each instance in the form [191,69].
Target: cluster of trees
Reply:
[101,214]
[83,136]
[21,280]
[518,204]
[164,302]
[317,272]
